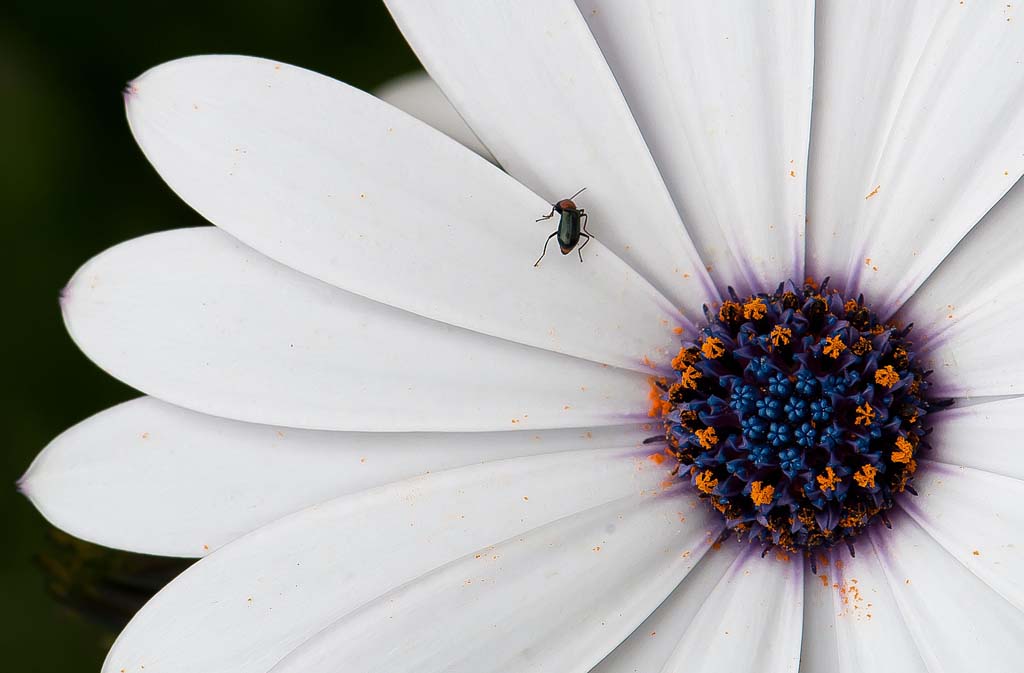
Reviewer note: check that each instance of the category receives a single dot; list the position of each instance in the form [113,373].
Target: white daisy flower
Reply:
[405,448]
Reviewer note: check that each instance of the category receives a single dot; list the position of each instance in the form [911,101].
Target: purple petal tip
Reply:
[129,90]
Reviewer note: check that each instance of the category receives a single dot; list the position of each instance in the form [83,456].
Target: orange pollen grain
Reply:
[683,358]
[828,481]
[688,377]
[728,310]
[712,348]
[834,346]
[851,521]
[850,305]
[677,330]
[755,309]
[760,494]
[865,415]
[780,335]
[904,451]
[706,481]
[861,346]
[659,407]
[865,476]
[887,376]
[656,458]
[708,437]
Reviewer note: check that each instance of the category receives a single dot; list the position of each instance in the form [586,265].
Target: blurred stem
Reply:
[103,586]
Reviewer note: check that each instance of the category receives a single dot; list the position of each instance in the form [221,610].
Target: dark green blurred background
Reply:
[74,183]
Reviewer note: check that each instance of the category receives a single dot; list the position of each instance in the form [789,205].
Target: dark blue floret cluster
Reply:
[797,414]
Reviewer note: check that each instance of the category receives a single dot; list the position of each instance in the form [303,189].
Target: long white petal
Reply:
[722,94]
[957,622]
[983,436]
[966,315]
[416,94]
[918,130]
[196,318]
[555,599]
[650,645]
[341,186]
[751,620]
[246,606]
[851,620]
[977,517]
[530,80]
[158,479]
[818,648]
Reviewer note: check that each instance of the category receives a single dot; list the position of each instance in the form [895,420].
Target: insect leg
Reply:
[583,216]
[579,250]
[553,234]
[548,216]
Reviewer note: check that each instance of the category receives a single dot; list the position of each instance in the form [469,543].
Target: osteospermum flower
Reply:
[407,449]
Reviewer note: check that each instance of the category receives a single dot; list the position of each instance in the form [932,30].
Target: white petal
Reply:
[244,607]
[819,651]
[555,599]
[196,482]
[853,113]
[967,314]
[530,80]
[956,621]
[650,645]
[751,620]
[918,129]
[983,436]
[851,621]
[416,94]
[195,318]
[333,182]
[977,517]
[722,94]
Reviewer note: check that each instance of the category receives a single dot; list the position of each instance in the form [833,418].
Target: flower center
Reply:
[797,415]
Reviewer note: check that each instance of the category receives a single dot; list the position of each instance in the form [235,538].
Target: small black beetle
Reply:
[572,224]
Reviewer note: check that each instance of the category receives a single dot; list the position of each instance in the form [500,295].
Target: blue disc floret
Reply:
[797,414]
